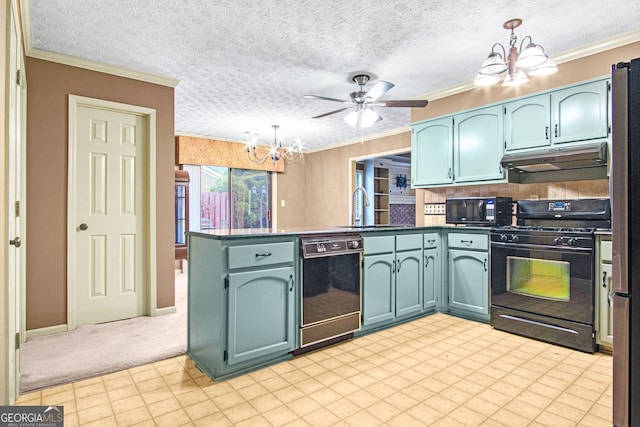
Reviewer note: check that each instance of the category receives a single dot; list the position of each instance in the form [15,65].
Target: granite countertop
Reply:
[302,231]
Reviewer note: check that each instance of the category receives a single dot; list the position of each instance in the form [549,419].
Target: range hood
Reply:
[576,162]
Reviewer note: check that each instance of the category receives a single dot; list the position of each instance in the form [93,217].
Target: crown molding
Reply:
[569,55]
[102,68]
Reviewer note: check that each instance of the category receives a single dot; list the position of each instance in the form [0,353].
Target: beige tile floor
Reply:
[437,371]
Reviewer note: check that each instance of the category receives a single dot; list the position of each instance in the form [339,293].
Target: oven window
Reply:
[539,278]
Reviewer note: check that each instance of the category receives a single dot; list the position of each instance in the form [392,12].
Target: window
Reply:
[181,187]
[234,198]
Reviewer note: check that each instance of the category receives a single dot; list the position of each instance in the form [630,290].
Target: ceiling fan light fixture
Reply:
[362,118]
[361,102]
[369,117]
[352,118]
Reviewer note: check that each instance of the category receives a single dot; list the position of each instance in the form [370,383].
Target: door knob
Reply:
[15,242]
[83,226]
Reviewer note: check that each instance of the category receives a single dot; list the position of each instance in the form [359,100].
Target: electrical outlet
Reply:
[434,208]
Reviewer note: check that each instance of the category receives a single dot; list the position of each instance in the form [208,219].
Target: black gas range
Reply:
[543,271]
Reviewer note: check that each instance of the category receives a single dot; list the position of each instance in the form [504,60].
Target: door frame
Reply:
[149,156]
[15,167]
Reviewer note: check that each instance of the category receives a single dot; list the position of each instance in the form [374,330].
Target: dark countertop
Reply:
[303,231]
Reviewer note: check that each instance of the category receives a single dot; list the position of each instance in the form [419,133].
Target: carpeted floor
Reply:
[95,350]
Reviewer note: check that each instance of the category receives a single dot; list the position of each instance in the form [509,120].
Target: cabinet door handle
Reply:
[399,265]
[449,172]
[431,241]
[546,132]
[485,264]
[263,255]
[467,242]
[393,268]
[556,130]
[604,279]
[291,281]
[426,262]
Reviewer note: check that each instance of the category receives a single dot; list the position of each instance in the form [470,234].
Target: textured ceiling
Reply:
[244,65]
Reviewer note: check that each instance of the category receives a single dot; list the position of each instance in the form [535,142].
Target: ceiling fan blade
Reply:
[418,103]
[378,90]
[327,98]
[330,113]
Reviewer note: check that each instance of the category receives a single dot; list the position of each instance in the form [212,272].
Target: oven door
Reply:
[548,281]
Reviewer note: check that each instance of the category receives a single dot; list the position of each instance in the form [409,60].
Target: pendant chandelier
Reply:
[290,154]
[532,58]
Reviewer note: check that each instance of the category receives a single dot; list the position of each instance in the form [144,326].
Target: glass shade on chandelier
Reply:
[532,58]
[276,150]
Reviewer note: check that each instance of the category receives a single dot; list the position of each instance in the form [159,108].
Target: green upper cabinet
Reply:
[527,123]
[466,148]
[478,145]
[563,116]
[432,152]
[580,112]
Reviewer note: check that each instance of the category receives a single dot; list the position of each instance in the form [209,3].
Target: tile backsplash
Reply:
[402,214]
[588,189]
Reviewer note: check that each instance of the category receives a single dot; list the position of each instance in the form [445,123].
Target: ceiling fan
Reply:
[361,101]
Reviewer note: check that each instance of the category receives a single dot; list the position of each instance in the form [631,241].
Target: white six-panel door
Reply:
[108,235]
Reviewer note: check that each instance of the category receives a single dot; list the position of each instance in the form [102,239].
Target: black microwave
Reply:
[480,211]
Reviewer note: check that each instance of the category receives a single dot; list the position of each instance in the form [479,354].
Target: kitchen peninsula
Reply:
[246,286]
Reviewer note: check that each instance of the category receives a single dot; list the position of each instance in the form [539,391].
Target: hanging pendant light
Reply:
[532,57]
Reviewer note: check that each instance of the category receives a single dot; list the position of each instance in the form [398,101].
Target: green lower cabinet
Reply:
[469,283]
[260,314]
[242,303]
[408,282]
[431,278]
[392,286]
[378,297]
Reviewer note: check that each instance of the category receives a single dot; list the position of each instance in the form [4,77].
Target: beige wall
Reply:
[326,197]
[328,189]
[47,104]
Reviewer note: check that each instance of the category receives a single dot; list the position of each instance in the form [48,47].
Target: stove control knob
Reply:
[515,238]
[557,240]
[572,242]
[503,237]
[354,244]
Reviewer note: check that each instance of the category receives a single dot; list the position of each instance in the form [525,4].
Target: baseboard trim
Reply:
[49,330]
[165,310]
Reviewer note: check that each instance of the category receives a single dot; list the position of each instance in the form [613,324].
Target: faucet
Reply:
[354,218]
